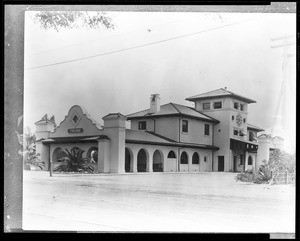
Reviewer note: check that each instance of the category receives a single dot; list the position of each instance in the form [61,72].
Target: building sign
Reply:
[75,130]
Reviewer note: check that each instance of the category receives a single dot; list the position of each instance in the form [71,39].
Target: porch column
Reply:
[190,161]
[246,160]
[150,162]
[134,160]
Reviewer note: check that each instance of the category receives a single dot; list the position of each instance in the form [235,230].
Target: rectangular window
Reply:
[206,129]
[142,125]
[235,132]
[218,105]
[185,126]
[236,105]
[206,106]
[242,107]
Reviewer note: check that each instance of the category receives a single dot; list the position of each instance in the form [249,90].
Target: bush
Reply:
[73,161]
[263,175]
[245,177]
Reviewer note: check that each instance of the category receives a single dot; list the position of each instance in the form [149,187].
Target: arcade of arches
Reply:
[142,158]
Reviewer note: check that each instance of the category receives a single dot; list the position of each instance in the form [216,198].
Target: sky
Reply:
[174,54]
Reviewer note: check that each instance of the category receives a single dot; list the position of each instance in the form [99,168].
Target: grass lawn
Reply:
[156,202]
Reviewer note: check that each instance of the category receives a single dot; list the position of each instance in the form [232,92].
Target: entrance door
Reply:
[221,163]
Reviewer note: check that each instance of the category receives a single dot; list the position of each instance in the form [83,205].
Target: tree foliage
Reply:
[31,159]
[72,19]
[73,161]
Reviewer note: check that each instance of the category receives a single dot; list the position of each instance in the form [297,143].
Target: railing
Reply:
[279,177]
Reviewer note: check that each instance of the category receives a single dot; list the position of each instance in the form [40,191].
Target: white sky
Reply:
[239,57]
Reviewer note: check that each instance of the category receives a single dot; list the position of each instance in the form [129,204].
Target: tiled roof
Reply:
[150,138]
[253,127]
[219,93]
[172,109]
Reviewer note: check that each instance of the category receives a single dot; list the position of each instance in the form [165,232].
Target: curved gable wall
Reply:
[85,122]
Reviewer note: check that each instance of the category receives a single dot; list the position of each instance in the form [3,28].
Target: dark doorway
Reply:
[127,161]
[142,161]
[157,162]
[221,163]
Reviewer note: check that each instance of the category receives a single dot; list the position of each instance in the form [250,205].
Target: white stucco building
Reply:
[213,136]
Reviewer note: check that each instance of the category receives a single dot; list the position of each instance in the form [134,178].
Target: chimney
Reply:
[154,104]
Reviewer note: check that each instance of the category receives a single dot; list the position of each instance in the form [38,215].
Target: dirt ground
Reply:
[156,202]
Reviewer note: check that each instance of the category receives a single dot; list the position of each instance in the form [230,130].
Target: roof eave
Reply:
[247,100]
[256,129]
[173,115]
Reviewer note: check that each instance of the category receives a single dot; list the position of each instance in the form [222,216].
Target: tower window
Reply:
[242,107]
[236,105]
[218,105]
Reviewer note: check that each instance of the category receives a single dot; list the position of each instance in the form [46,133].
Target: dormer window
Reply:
[218,105]
[206,106]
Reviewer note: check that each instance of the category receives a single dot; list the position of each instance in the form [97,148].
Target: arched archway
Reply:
[92,154]
[128,160]
[142,160]
[250,161]
[58,154]
[158,162]
[195,158]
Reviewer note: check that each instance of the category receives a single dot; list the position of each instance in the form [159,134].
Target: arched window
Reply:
[92,154]
[184,158]
[195,158]
[250,160]
[171,154]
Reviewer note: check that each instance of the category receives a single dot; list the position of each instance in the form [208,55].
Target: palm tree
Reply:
[73,161]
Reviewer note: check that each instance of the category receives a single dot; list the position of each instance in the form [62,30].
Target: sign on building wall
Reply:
[75,130]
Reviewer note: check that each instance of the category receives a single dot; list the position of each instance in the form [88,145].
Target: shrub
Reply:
[74,162]
[263,175]
[245,177]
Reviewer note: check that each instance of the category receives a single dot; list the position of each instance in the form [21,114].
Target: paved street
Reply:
[163,202]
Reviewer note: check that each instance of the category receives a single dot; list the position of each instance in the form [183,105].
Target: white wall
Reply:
[195,132]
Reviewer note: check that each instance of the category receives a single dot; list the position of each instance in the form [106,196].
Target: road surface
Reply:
[155,202]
